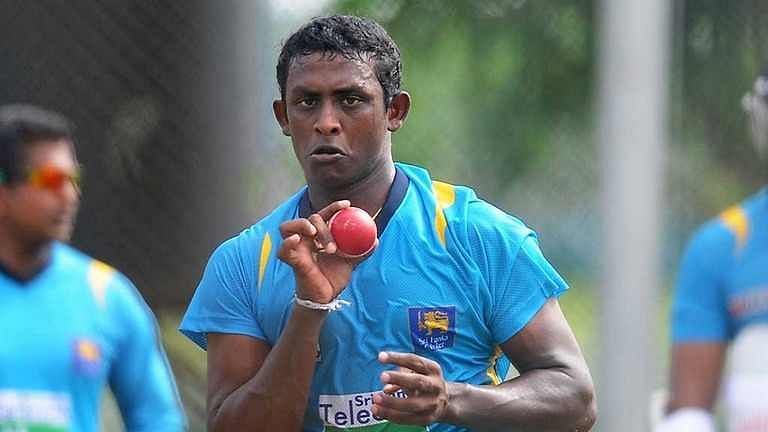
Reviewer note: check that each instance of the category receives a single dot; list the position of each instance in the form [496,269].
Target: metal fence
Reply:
[171,101]
[163,173]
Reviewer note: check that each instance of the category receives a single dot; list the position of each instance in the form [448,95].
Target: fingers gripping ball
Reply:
[353,230]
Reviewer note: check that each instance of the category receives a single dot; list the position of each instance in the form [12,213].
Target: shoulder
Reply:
[70,259]
[477,234]
[720,231]
[725,234]
[740,219]
[715,245]
[749,215]
[732,225]
[93,268]
[484,219]
[459,210]
[101,279]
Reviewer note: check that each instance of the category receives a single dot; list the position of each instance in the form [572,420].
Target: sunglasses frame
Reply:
[34,177]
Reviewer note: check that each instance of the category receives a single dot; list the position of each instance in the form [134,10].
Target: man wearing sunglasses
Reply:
[68,324]
[721,307]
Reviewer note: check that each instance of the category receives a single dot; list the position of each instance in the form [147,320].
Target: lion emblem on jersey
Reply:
[432,328]
[434,320]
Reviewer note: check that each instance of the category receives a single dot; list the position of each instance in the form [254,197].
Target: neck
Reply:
[368,193]
[22,260]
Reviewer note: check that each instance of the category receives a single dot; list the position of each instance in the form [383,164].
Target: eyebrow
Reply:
[351,89]
[340,91]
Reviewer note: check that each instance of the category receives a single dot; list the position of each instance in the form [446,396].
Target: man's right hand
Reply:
[321,270]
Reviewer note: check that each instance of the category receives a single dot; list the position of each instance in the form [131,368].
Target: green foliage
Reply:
[720,48]
[503,101]
[491,81]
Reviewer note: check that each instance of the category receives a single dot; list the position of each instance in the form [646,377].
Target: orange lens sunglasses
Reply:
[52,178]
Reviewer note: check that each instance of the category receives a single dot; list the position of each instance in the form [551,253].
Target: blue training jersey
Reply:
[723,279]
[68,331]
[453,277]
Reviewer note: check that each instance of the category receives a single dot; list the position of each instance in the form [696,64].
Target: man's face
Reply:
[41,207]
[334,112]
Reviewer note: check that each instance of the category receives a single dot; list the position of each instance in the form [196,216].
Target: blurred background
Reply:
[172,102]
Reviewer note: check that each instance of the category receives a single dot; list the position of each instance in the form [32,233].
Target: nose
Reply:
[327,122]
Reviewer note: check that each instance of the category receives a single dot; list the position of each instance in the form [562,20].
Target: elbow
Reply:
[573,409]
[212,417]
[211,424]
[577,404]
[217,420]
[582,399]
[588,417]
[585,412]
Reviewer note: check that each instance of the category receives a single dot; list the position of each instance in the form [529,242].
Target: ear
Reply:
[398,110]
[281,115]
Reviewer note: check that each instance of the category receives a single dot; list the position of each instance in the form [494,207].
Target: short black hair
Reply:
[351,37]
[21,125]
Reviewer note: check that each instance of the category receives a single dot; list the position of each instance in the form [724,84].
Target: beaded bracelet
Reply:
[334,305]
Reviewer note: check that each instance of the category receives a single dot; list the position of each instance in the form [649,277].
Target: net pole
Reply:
[632,102]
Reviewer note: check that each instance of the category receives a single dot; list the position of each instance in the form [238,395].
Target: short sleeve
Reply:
[699,309]
[522,287]
[140,376]
[519,278]
[223,300]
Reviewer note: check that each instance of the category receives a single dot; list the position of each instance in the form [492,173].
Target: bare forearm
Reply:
[695,374]
[540,400]
[276,397]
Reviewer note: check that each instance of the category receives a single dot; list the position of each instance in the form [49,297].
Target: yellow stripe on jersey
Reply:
[266,248]
[736,220]
[99,275]
[491,371]
[446,195]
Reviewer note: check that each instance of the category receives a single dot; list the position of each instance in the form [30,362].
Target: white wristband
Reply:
[688,420]
[334,305]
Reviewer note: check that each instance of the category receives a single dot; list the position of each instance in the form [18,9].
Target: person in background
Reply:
[721,302]
[69,324]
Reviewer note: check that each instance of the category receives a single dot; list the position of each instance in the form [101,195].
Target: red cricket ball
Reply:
[353,230]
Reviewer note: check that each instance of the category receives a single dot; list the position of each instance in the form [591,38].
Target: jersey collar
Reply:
[394,198]
[22,280]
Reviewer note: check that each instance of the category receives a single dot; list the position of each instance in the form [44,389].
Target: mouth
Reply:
[326,153]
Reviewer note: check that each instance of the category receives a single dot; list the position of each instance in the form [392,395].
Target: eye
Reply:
[351,100]
[306,102]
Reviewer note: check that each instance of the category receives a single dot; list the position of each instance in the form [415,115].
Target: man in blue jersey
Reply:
[419,334]
[69,324]
[721,300]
